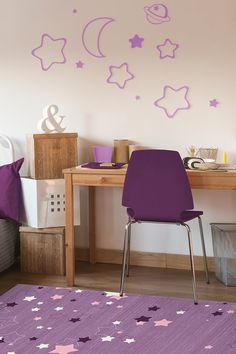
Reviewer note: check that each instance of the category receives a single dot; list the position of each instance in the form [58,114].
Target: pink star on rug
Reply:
[37,318]
[208,347]
[230,311]
[64,349]
[95,303]
[57,297]
[140,323]
[164,323]
[119,306]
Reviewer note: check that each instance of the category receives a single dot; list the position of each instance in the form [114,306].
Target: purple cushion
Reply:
[10,190]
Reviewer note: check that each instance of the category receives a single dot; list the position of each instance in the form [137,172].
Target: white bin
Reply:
[44,203]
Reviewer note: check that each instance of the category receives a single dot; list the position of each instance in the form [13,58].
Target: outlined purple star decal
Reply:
[167,49]
[213,103]
[79,64]
[173,100]
[136,41]
[50,51]
[119,75]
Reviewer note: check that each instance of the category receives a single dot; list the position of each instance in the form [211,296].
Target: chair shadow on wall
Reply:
[157,190]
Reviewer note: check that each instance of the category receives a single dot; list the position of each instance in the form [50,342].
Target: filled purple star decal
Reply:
[136,41]
[50,51]
[167,49]
[143,319]
[173,100]
[119,75]
[79,64]
[84,340]
[213,103]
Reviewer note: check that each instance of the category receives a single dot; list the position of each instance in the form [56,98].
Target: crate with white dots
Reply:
[44,203]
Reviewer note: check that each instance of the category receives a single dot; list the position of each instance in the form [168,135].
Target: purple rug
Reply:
[40,319]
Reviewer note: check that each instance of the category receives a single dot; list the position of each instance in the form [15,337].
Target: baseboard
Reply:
[147,259]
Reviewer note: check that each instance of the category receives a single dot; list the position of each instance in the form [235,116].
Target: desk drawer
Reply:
[99,180]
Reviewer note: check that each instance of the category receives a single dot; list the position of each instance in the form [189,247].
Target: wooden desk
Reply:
[115,178]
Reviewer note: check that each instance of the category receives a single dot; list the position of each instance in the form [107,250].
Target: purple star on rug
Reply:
[217,313]
[136,41]
[2,340]
[119,75]
[167,49]
[153,308]
[84,340]
[79,64]
[11,304]
[33,338]
[143,319]
[75,319]
[50,51]
[213,103]
[173,100]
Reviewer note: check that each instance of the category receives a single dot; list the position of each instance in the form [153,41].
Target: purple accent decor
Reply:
[102,153]
[136,41]
[103,22]
[10,190]
[213,103]
[79,64]
[171,111]
[160,194]
[156,14]
[119,75]
[167,49]
[178,326]
[46,37]
[98,165]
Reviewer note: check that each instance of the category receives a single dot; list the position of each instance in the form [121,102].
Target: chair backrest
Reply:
[156,186]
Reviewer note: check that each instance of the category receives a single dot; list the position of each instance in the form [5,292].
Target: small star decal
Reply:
[143,319]
[42,346]
[33,338]
[11,304]
[164,323]
[73,300]
[79,64]
[208,347]
[78,291]
[95,303]
[213,103]
[107,339]
[35,309]
[109,302]
[57,297]
[37,318]
[116,322]
[74,11]
[75,319]
[129,340]
[136,41]
[167,49]
[2,340]
[230,311]
[140,323]
[119,75]
[153,308]
[84,339]
[217,313]
[59,308]
[181,312]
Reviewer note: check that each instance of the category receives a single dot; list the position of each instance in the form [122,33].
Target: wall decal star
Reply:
[50,52]
[213,103]
[136,41]
[173,100]
[119,75]
[167,49]
[79,64]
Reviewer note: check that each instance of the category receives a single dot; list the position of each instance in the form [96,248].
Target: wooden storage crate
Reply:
[49,154]
[42,250]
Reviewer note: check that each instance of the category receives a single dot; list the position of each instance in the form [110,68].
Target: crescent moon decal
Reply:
[92,33]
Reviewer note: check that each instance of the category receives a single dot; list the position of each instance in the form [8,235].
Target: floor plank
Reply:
[142,280]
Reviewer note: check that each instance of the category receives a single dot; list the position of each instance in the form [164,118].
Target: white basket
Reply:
[44,203]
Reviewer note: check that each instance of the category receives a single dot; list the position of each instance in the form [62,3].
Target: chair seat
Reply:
[186,215]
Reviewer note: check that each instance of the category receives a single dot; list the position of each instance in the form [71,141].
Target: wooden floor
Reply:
[142,280]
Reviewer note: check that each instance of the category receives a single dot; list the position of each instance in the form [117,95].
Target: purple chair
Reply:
[157,189]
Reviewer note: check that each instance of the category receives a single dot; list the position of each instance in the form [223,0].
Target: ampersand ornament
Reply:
[51,122]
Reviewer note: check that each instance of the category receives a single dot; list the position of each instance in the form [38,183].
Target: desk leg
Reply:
[92,237]
[69,216]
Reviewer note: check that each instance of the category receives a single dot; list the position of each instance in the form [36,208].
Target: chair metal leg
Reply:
[124,262]
[192,263]
[128,255]
[203,249]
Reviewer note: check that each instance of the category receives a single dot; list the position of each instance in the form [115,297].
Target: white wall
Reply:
[101,111]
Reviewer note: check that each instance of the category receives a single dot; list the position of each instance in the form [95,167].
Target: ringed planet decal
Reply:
[91,35]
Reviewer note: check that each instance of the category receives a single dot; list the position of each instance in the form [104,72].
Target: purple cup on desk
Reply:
[102,153]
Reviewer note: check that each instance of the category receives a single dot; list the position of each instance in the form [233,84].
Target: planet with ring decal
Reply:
[157,14]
